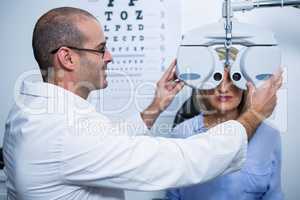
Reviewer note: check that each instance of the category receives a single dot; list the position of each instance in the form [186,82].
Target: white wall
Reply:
[18,17]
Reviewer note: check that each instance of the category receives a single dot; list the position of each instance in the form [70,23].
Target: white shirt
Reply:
[56,146]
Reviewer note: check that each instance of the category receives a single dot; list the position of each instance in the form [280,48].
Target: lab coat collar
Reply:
[50,91]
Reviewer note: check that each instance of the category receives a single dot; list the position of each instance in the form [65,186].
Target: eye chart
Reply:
[142,36]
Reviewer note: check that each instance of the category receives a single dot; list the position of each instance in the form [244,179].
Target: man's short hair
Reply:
[56,28]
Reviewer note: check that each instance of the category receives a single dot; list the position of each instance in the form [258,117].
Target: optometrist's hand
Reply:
[260,102]
[166,90]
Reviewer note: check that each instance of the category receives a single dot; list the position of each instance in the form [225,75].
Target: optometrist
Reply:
[57,146]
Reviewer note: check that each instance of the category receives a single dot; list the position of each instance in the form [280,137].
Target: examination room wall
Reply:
[17,21]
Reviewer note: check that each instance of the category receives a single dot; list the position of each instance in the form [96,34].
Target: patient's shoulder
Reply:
[265,143]
[189,127]
[267,131]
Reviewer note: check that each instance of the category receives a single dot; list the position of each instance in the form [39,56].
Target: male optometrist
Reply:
[57,146]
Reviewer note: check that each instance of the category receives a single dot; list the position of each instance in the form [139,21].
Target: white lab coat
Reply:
[57,146]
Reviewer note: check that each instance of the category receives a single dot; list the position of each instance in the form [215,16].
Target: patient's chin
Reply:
[225,108]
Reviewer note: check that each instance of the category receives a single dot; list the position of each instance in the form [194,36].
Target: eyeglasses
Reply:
[102,50]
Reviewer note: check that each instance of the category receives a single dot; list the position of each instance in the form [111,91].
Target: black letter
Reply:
[124,15]
[141,27]
[110,3]
[118,27]
[106,29]
[139,15]
[108,14]
[129,27]
[131,2]
[133,38]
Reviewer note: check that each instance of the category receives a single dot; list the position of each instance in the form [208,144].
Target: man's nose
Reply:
[107,58]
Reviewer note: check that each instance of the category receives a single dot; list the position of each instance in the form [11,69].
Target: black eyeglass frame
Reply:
[102,50]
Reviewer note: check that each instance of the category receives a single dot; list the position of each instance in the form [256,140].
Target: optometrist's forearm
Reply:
[250,121]
[166,90]
[260,102]
[151,113]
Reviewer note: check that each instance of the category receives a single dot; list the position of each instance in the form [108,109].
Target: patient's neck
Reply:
[211,120]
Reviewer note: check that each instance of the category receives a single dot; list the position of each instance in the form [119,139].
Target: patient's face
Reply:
[226,97]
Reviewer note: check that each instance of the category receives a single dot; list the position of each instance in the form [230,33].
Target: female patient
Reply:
[259,177]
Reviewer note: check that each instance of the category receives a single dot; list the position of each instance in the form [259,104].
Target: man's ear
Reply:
[67,58]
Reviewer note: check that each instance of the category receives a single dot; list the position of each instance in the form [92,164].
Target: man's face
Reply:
[93,65]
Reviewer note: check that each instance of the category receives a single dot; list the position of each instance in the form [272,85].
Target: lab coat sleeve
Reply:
[109,156]
[136,125]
